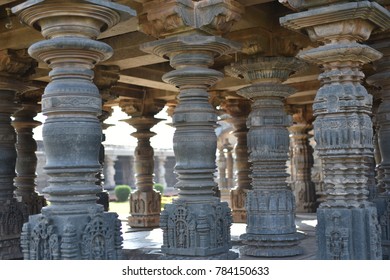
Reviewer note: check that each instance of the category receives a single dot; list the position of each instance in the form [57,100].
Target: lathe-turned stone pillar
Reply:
[239,109]
[12,213]
[270,204]
[197,224]
[73,226]
[145,202]
[381,79]
[26,161]
[301,164]
[105,78]
[347,226]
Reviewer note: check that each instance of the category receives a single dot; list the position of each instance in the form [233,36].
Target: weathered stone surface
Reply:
[270,204]
[347,222]
[73,226]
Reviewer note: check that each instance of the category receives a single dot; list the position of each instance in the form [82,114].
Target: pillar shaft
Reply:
[73,226]
[270,204]
[301,164]
[26,162]
[347,222]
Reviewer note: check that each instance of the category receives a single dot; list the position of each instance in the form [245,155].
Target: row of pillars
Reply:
[197,224]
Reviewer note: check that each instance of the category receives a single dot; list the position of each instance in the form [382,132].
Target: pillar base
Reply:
[192,230]
[348,234]
[237,198]
[145,208]
[265,245]
[303,193]
[12,216]
[34,202]
[94,236]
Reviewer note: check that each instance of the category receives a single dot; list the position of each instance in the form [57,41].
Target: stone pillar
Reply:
[145,202]
[197,224]
[26,162]
[73,226]
[381,79]
[222,182]
[270,204]
[239,109]
[109,167]
[105,78]
[161,170]
[301,164]
[347,222]
[12,213]
[229,164]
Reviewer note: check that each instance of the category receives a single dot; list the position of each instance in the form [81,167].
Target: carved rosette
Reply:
[343,127]
[145,202]
[72,132]
[196,215]
[301,163]
[26,162]
[270,204]
[381,80]
[239,109]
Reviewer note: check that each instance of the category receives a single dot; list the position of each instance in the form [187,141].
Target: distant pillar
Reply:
[229,164]
[73,226]
[222,182]
[145,202]
[270,230]
[347,226]
[301,164]
[239,109]
[109,167]
[161,170]
[12,213]
[26,162]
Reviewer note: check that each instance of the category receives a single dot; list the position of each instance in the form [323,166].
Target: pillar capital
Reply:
[161,18]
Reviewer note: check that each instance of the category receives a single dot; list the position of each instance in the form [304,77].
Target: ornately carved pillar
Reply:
[382,80]
[12,213]
[73,226]
[197,224]
[301,164]
[26,162]
[145,202]
[239,109]
[347,226]
[270,204]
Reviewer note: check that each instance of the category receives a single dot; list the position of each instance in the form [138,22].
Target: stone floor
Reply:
[144,244]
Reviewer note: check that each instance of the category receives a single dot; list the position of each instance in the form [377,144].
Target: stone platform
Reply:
[145,244]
